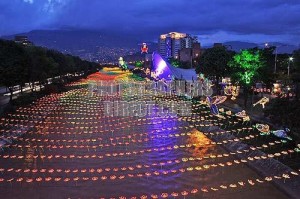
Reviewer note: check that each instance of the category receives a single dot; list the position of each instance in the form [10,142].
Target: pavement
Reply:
[3,90]
[3,100]
[5,95]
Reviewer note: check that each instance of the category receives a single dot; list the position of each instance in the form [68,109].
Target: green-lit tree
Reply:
[138,64]
[174,62]
[245,68]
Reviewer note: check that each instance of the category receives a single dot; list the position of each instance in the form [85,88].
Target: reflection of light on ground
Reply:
[203,144]
[29,160]
[74,145]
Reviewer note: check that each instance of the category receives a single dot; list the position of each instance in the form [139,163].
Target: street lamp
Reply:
[290,59]
[266,45]
[275,66]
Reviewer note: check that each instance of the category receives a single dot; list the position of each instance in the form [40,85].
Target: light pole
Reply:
[290,59]
[275,64]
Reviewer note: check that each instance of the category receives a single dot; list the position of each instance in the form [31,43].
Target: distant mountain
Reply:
[284,48]
[77,41]
[239,45]
[93,45]
[73,40]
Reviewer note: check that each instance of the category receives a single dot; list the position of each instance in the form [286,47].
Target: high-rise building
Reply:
[171,43]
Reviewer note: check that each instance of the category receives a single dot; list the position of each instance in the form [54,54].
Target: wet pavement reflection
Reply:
[77,152]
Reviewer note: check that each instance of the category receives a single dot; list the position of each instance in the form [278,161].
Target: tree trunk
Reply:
[31,86]
[11,93]
[218,85]
[246,94]
[297,89]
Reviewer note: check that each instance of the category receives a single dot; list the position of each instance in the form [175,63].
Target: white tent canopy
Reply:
[166,70]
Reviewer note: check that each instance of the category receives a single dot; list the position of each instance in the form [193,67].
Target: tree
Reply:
[41,65]
[245,68]
[296,75]
[11,71]
[138,64]
[28,64]
[267,74]
[214,62]
[296,60]
[174,62]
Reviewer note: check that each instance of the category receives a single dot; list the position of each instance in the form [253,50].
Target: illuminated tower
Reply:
[171,43]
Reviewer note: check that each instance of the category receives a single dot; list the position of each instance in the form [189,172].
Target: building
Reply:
[189,54]
[217,45]
[134,57]
[23,40]
[196,50]
[185,54]
[171,43]
[148,57]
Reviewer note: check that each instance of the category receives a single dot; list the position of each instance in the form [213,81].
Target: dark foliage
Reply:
[284,112]
[30,64]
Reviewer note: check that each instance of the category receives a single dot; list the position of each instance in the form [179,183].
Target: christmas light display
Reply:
[283,133]
[262,101]
[264,129]
[232,90]
[66,140]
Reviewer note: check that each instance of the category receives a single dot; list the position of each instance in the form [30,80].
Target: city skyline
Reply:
[212,21]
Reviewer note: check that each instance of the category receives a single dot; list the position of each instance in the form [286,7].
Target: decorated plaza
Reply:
[67,142]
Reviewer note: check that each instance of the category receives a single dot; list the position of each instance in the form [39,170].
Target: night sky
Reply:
[212,20]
